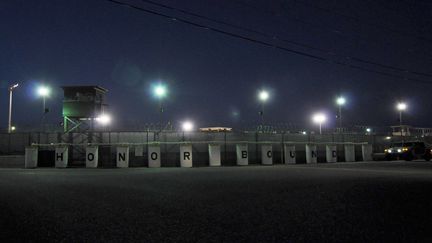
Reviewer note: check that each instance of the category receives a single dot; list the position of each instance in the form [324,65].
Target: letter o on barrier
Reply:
[154,156]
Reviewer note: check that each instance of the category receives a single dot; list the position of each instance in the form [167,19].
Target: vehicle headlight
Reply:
[399,150]
[385,150]
[389,150]
[405,149]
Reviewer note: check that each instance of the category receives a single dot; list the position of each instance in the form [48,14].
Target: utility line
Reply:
[274,37]
[246,38]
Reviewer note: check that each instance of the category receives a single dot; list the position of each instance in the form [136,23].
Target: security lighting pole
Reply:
[11,88]
[340,101]
[401,107]
[263,96]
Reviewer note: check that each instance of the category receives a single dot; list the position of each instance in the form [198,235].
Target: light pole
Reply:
[187,126]
[340,101]
[401,106]
[160,91]
[11,88]
[44,92]
[319,118]
[263,96]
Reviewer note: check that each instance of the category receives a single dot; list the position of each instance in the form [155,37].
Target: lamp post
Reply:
[160,91]
[187,126]
[319,118]
[11,88]
[263,96]
[43,91]
[340,101]
[401,106]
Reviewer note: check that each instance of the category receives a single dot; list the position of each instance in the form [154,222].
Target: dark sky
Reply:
[211,75]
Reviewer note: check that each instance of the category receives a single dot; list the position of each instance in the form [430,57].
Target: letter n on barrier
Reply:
[313,154]
[121,156]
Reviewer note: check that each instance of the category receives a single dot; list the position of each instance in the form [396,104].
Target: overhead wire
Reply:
[264,43]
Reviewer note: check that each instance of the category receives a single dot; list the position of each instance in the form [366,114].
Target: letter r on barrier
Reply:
[186,155]
[244,154]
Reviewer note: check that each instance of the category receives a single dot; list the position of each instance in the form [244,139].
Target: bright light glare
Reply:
[340,100]
[160,91]
[13,86]
[104,119]
[388,138]
[187,126]
[319,118]
[13,128]
[43,91]
[401,106]
[368,129]
[263,95]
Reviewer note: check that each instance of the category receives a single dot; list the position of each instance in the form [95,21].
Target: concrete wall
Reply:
[15,143]
[12,161]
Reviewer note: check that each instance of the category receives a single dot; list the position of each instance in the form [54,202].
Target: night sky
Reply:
[214,78]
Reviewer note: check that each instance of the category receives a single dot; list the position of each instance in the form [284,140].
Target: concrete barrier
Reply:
[122,157]
[214,155]
[61,156]
[331,153]
[139,150]
[289,154]
[154,156]
[266,154]
[31,157]
[92,156]
[311,154]
[242,154]
[186,156]
[349,153]
[12,161]
[367,152]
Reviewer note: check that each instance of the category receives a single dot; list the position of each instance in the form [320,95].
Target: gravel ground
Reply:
[343,202]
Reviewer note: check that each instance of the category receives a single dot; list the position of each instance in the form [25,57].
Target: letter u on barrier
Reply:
[289,154]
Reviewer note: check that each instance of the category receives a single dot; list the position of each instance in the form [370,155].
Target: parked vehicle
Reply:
[408,151]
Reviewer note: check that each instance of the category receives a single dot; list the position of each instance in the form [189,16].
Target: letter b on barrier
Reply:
[92,156]
[311,154]
[186,155]
[154,156]
[266,155]
[242,154]
[331,154]
[122,157]
[290,154]
[61,156]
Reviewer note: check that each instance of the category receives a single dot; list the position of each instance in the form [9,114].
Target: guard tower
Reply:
[81,105]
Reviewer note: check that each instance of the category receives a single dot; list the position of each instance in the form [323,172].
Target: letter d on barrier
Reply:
[154,156]
[122,157]
[331,155]
[61,156]
[92,156]
[186,155]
